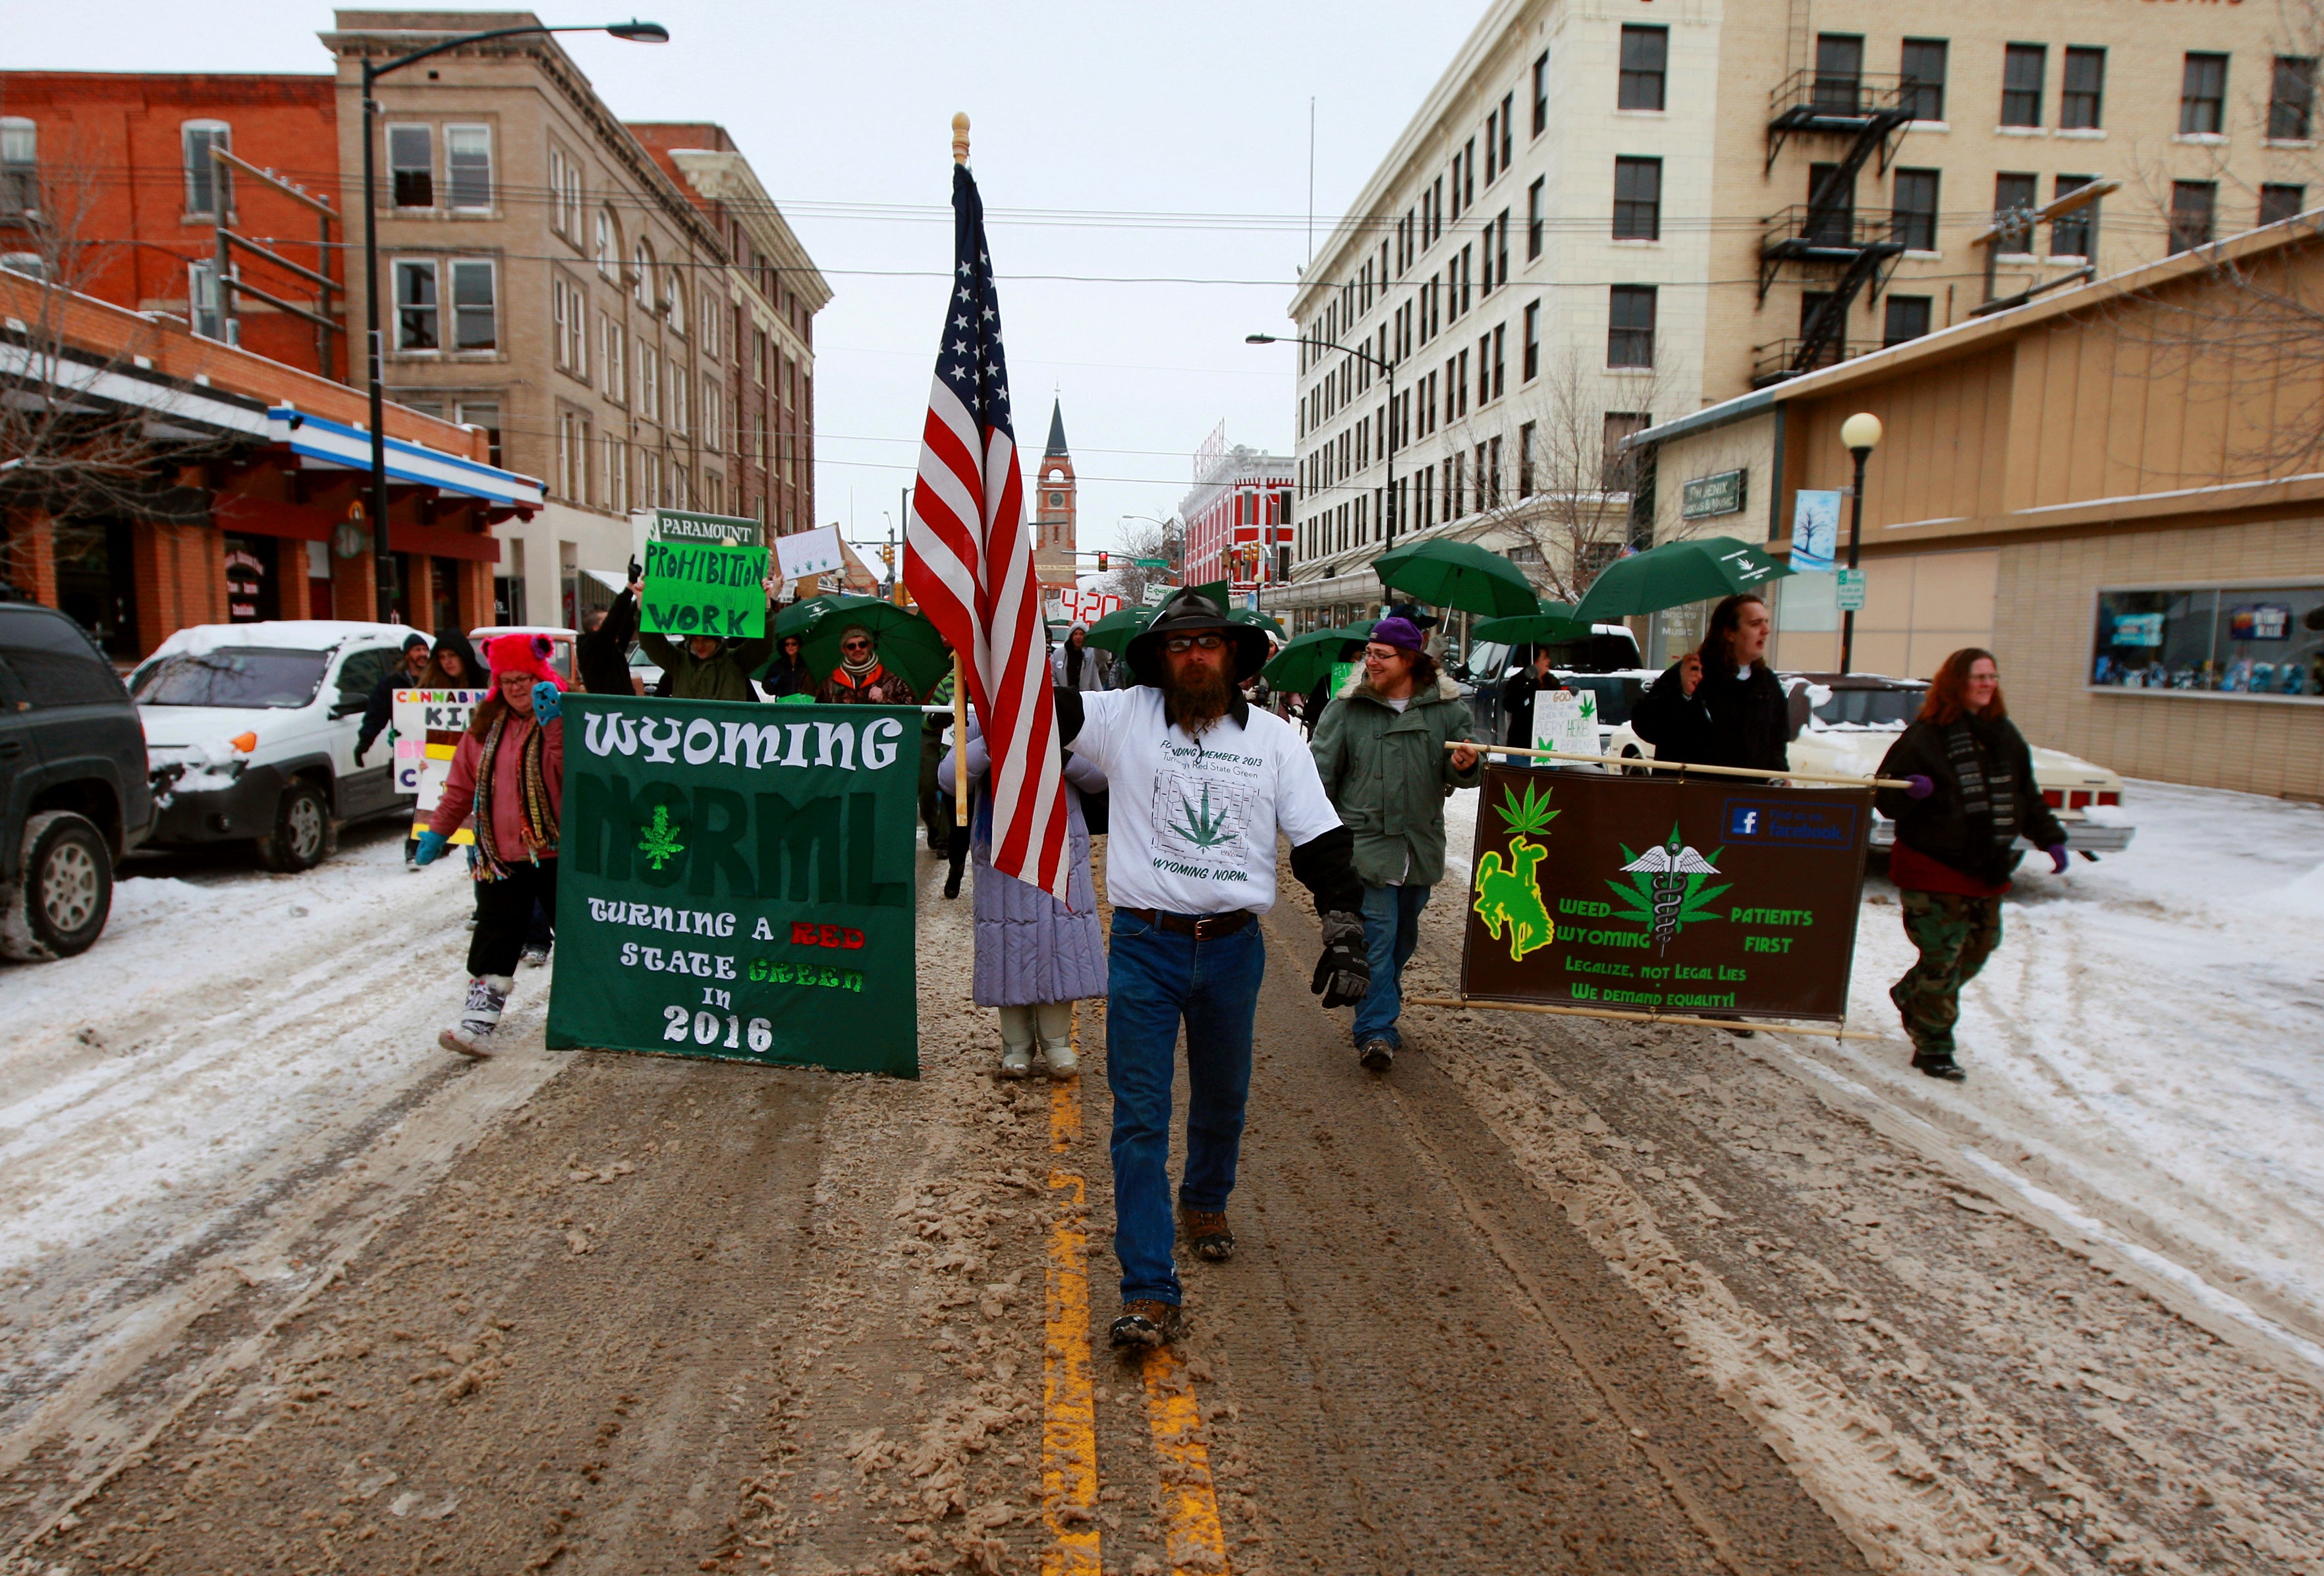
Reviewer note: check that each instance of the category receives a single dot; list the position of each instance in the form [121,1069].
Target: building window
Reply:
[1630,326]
[1615,466]
[20,166]
[2013,198]
[2023,67]
[613,340]
[1499,338]
[1924,77]
[485,414]
[1637,199]
[1508,129]
[468,169]
[1532,350]
[1646,58]
[411,166]
[1914,216]
[1525,465]
[609,248]
[2266,639]
[565,182]
[642,286]
[2203,96]
[1534,217]
[476,316]
[1839,71]
[649,381]
[2071,233]
[1541,93]
[204,178]
[202,297]
[2080,96]
[2278,203]
[417,317]
[1907,318]
[677,398]
[1492,145]
[2194,205]
[673,302]
[2291,98]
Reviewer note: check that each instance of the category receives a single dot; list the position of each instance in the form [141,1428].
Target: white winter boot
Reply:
[481,1017]
[1056,1019]
[1016,1041]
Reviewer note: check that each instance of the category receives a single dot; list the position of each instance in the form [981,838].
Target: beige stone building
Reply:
[2112,488]
[624,309]
[1609,212]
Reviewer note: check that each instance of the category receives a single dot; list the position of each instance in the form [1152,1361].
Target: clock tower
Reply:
[1054,506]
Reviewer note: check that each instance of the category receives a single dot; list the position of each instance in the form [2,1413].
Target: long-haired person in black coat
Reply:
[1718,705]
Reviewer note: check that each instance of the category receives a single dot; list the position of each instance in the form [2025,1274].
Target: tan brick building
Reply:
[1605,214]
[2111,488]
[625,320]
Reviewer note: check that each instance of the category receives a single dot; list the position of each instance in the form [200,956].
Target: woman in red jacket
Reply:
[508,781]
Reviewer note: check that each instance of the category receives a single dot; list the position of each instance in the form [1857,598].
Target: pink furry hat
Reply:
[520,654]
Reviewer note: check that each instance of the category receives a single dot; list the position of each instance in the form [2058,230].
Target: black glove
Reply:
[1343,973]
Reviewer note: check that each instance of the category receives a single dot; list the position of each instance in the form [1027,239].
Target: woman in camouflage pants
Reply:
[1972,797]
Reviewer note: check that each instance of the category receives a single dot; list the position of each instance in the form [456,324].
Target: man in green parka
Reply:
[1380,748]
[704,667]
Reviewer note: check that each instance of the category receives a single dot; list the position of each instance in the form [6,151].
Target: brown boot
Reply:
[1208,1233]
[1147,1323]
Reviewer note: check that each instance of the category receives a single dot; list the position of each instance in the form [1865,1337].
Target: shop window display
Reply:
[2262,641]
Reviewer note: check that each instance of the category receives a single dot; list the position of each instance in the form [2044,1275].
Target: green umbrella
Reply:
[1252,615]
[1116,630]
[1308,660]
[1698,569]
[1458,575]
[1554,623]
[908,641]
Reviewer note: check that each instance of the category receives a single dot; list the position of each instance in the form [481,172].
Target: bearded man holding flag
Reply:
[1191,865]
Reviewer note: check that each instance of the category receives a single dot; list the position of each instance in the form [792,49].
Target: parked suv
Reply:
[252,732]
[73,795]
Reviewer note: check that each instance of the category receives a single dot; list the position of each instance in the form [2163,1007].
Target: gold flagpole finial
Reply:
[960,139]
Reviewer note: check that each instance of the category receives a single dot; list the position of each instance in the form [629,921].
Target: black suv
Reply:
[73,792]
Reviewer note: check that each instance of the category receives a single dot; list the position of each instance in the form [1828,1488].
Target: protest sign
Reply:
[809,552]
[716,591]
[1687,895]
[1565,720]
[428,724]
[737,881]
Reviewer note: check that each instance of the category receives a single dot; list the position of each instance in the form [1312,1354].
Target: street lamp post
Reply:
[1861,435]
[1391,508]
[382,559]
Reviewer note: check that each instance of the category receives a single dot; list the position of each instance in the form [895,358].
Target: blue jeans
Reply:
[1391,930]
[1157,979]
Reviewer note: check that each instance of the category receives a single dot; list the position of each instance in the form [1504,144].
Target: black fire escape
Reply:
[1829,238]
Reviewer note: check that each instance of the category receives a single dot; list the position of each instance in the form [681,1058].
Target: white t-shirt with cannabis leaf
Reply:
[1191,823]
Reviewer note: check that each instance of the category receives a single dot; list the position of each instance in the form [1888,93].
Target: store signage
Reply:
[735,882]
[1663,895]
[687,525]
[1723,493]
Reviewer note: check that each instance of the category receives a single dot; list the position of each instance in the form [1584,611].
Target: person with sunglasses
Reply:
[706,667]
[1381,751]
[860,679]
[1190,869]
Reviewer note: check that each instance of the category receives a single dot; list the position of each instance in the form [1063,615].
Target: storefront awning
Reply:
[320,442]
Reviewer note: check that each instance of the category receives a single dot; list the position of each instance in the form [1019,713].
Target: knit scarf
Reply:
[1989,788]
[860,677]
[488,861]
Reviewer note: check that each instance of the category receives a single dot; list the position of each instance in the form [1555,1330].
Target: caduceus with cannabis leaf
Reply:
[1510,895]
[1665,889]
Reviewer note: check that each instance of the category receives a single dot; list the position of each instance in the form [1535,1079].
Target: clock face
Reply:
[1057,500]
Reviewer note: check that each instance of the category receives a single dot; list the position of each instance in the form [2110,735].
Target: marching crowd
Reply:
[1192,861]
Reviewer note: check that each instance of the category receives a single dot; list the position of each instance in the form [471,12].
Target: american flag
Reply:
[969,562]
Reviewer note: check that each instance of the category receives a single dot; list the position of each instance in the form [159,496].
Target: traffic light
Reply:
[1101,563]
[887,556]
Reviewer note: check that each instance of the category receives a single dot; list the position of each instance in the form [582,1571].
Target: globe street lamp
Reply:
[382,559]
[1388,438]
[1860,434]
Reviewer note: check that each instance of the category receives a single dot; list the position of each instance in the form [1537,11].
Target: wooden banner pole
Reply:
[1654,765]
[959,743]
[1464,1003]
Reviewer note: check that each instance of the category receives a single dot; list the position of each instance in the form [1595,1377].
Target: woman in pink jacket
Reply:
[508,780]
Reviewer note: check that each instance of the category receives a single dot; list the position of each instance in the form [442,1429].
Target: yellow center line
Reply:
[1068,1407]
[1195,1542]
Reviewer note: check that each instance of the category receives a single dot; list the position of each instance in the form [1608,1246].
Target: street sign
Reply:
[1151,563]
[1156,594]
[1850,598]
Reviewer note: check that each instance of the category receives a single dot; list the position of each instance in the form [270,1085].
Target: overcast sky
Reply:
[1173,112]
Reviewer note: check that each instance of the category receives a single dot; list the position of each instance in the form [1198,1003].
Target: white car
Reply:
[250,733]
[1847,722]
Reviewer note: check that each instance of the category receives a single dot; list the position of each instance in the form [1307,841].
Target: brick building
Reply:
[1237,518]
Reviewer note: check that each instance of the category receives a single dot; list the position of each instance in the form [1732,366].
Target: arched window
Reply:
[609,247]
[642,286]
[674,300]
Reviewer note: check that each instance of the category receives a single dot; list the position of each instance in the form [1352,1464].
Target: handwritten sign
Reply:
[428,724]
[715,591]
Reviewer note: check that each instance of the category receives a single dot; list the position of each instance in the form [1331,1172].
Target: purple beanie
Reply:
[1399,631]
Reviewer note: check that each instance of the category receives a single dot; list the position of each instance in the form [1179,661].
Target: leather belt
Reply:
[1202,927]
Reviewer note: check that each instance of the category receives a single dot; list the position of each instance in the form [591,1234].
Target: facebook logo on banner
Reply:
[1807,822]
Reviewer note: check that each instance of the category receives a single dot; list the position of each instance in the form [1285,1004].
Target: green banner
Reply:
[736,882]
[718,591]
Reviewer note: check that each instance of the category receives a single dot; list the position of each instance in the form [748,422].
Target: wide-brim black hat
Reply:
[1186,613]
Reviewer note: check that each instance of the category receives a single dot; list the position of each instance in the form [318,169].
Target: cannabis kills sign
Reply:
[715,591]
[1665,896]
[737,883]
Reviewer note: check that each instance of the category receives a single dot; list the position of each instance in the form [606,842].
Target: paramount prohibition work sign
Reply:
[1720,896]
[737,881]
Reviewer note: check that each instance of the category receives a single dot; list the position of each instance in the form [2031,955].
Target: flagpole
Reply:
[959,670]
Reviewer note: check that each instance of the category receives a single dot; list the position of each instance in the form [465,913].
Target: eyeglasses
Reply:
[1179,645]
[1382,653]
[855,645]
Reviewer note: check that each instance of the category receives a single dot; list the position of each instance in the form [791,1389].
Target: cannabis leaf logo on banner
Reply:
[1203,828]
[1510,894]
[661,844]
